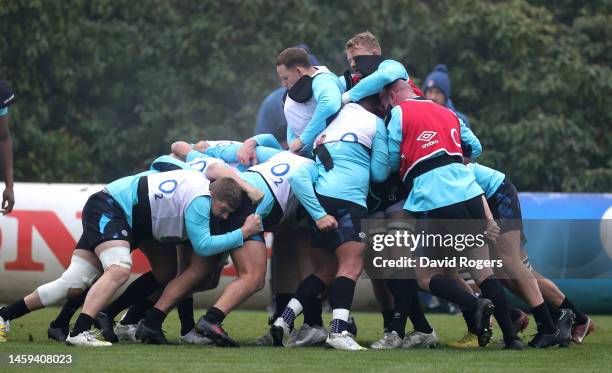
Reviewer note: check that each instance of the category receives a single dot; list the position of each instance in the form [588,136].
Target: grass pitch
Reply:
[28,336]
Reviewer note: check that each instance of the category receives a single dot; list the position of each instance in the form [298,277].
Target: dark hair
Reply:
[227,190]
[293,57]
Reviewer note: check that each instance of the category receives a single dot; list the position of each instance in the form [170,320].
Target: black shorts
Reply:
[385,194]
[348,215]
[462,218]
[235,220]
[506,207]
[104,220]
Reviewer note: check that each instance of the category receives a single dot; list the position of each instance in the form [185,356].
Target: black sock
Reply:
[492,289]
[515,314]
[280,302]
[401,300]
[543,319]
[554,311]
[417,316]
[387,319]
[468,316]
[308,295]
[581,317]
[341,295]
[83,323]
[136,312]
[407,304]
[154,318]
[68,310]
[14,310]
[140,288]
[448,288]
[313,312]
[185,312]
[214,315]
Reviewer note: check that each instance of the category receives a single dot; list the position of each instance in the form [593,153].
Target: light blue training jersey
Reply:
[354,167]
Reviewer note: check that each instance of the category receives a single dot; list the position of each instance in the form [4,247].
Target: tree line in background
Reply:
[105,86]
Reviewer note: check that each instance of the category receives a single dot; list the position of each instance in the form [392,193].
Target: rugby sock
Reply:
[581,317]
[14,310]
[68,310]
[82,324]
[515,314]
[469,320]
[293,309]
[214,315]
[415,312]
[543,319]
[401,299]
[280,302]
[140,288]
[308,295]
[387,319]
[136,312]
[185,312]
[313,312]
[448,288]
[155,318]
[340,318]
[492,289]
[341,299]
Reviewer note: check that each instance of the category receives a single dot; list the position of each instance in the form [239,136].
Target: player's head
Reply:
[393,94]
[291,65]
[362,44]
[226,197]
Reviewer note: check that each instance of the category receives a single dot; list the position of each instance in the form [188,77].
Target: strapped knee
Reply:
[80,274]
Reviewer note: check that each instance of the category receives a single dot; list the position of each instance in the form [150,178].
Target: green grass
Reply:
[595,355]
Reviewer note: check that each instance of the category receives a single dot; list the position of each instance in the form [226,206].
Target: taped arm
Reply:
[388,72]
[302,184]
[394,131]
[327,94]
[197,223]
[379,164]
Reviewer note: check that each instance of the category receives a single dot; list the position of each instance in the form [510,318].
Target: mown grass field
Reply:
[28,336]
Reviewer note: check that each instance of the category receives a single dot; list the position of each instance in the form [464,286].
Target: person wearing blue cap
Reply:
[7,98]
[437,88]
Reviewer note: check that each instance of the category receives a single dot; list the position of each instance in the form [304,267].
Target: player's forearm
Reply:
[302,185]
[213,245]
[6,150]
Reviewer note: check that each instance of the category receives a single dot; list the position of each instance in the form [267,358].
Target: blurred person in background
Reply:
[7,98]
[437,88]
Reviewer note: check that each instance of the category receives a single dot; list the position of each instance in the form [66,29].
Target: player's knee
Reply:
[78,277]
[119,274]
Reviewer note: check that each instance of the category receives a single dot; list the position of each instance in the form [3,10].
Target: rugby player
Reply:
[313,98]
[350,152]
[149,207]
[431,142]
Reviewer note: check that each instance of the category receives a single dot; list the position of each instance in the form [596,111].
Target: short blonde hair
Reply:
[366,39]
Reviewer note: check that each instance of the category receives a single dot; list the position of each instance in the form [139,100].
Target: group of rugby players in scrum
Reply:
[213,199]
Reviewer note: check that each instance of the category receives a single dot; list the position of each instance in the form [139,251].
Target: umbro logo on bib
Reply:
[427,136]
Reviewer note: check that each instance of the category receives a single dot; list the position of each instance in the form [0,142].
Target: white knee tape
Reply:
[118,255]
[80,274]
